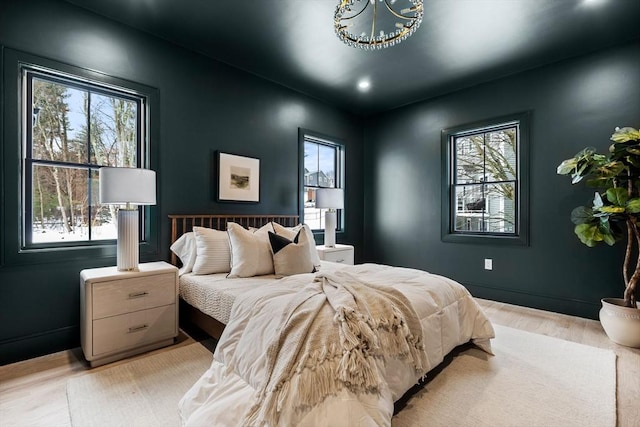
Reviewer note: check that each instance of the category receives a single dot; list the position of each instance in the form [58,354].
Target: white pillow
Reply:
[291,256]
[185,249]
[291,232]
[212,249]
[250,251]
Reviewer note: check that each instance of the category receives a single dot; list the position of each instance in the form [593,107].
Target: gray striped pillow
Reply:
[213,254]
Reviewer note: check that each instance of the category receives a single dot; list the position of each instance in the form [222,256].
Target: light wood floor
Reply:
[33,392]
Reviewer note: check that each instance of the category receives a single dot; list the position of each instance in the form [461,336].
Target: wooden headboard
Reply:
[181,224]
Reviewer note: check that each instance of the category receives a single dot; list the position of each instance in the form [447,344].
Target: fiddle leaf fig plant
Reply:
[615,209]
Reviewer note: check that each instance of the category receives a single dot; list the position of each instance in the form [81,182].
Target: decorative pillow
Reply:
[291,256]
[185,249]
[212,249]
[250,251]
[291,232]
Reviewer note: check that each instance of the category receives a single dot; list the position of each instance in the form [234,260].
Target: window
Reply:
[72,127]
[321,166]
[485,194]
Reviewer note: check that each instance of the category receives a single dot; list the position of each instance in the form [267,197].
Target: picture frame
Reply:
[238,178]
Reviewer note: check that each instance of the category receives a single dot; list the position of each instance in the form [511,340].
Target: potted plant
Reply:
[613,217]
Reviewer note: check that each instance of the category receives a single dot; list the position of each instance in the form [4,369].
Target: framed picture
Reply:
[238,178]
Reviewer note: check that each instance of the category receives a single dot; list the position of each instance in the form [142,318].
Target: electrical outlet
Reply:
[488,264]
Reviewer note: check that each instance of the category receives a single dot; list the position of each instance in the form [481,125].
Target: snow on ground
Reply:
[106,231]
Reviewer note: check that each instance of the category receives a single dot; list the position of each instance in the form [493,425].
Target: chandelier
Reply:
[374,24]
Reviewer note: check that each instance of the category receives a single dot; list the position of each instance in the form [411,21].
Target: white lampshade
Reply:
[127,186]
[329,198]
[119,186]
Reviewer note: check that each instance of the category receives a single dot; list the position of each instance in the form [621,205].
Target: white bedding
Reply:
[449,317]
[213,294]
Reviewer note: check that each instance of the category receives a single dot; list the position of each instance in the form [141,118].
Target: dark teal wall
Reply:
[204,106]
[575,103]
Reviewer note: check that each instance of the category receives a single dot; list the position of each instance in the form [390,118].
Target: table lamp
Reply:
[129,187]
[330,199]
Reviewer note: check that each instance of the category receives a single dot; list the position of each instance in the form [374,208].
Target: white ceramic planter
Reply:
[622,324]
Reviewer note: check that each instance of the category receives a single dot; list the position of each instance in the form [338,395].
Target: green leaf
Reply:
[617,196]
[633,205]
[584,153]
[609,239]
[610,169]
[605,230]
[625,134]
[599,182]
[589,234]
[618,149]
[582,215]
[612,209]
[567,166]
[582,164]
[581,171]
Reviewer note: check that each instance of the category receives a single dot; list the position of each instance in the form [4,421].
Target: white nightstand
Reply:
[340,253]
[127,312]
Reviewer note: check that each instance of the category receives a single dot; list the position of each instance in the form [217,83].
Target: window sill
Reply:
[491,239]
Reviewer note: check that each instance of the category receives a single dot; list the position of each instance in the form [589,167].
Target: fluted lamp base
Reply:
[127,248]
[330,220]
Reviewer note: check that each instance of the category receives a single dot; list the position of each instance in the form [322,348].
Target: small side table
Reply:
[127,312]
[340,253]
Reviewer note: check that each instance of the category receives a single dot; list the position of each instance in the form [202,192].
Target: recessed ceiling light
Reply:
[364,85]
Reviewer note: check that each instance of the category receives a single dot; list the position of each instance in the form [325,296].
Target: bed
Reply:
[331,347]
[192,286]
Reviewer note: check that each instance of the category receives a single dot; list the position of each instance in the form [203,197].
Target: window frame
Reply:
[12,158]
[521,204]
[333,142]
[29,73]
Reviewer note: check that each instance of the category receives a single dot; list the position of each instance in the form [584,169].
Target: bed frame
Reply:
[181,224]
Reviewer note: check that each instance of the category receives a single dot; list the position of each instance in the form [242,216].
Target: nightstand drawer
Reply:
[123,296]
[118,333]
[343,257]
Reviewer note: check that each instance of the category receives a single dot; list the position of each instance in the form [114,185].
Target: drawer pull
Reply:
[138,294]
[138,328]
[340,260]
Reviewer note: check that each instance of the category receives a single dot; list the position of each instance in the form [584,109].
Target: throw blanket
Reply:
[332,335]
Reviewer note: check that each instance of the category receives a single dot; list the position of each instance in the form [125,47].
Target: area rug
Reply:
[143,392]
[532,380]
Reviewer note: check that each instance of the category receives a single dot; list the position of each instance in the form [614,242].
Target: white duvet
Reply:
[222,396]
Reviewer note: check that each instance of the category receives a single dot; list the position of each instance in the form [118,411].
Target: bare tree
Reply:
[484,158]
[50,132]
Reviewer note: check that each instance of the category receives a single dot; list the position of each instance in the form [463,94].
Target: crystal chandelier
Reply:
[374,24]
